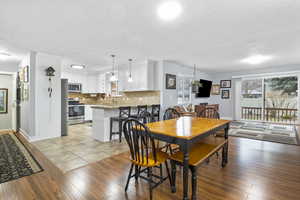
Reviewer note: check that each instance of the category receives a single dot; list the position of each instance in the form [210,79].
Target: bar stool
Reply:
[155,112]
[140,109]
[124,113]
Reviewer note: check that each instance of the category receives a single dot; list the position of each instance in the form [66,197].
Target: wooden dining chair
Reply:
[199,153]
[209,112]
[144,154]
[171,113]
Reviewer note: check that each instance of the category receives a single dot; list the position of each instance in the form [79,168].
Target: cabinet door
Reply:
[88,113]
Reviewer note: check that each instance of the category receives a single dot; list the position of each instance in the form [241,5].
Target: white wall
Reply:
[48,110]
[27,112]
[6,81]
[169,97]
[227,106]
[9,67]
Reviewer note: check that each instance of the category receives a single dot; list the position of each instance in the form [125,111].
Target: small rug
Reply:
[15,160]
[285,134]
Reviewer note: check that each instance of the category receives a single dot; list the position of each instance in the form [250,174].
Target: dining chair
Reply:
[124,113]
[171,113]
[144,154]
[140,108]
[155,112]
[209,112]
[212,113]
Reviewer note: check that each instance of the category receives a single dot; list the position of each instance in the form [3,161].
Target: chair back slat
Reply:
[140,142]
[145,117]
[141,108]
[171,113]
[155,112]
[209,112]
[124,112]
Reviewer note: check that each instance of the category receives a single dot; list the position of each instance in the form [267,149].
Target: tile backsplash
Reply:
[127,98]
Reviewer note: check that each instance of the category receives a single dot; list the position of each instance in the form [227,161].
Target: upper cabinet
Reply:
[143,75]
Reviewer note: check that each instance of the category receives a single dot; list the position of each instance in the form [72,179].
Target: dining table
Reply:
[186,131]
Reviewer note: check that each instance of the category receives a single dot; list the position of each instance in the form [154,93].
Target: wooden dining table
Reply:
[186,131]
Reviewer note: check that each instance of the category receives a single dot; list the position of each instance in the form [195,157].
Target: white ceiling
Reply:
[213,34]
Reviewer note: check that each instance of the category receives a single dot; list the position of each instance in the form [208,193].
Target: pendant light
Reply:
[195,83]
[130,75]
[113,75]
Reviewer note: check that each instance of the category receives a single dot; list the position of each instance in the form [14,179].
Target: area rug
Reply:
[15,160]
[285,134]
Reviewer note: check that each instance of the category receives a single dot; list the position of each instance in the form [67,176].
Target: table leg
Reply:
[225,148]
[185,172]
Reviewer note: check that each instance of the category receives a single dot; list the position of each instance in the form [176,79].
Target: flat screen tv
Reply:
[204,91]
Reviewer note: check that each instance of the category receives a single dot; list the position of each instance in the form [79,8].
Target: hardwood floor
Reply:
[257,170]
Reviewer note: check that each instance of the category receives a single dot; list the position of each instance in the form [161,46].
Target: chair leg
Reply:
[173,177]
[194,182]
[224,156]
[161,171]
[111,129]
[129,176]
[137,173]
[120,130]
[150,181]
[168,172]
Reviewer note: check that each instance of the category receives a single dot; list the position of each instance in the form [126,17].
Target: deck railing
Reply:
[287,115]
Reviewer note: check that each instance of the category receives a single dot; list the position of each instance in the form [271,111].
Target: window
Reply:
[184,92]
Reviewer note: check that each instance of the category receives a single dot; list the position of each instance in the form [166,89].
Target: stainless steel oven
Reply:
[76,112]
[75,87]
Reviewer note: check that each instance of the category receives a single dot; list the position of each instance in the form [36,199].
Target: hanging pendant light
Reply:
[113,77]
[130,75]
[195,83]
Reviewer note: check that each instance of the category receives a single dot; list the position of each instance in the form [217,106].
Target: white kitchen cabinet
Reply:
[91,84]
[88,114]
[143,75]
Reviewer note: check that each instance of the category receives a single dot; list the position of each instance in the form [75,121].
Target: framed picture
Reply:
[3,100]
[170,81]
[225,83]
[225,94]
[26,74]
[215,89]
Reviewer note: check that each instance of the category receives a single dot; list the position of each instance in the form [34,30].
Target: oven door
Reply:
[76,112]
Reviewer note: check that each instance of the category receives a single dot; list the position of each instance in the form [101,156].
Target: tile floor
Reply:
[78,148]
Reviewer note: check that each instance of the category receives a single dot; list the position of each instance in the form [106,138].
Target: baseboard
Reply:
[24,134]
[35,139]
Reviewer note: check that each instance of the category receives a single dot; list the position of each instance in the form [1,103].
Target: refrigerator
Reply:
[64,107]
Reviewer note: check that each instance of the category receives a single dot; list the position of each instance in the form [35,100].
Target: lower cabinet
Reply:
[88,114]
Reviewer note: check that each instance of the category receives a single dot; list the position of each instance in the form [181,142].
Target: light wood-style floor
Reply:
[257,170]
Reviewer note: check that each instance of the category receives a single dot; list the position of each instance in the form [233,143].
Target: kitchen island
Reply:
[101,120]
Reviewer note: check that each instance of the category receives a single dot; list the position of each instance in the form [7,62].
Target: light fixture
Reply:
[256,59]
[169,10]
[113,77]
[195,84]
[4,56]
[130,75]
[77,66]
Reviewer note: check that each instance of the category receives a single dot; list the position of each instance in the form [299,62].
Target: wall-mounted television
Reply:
[204,89]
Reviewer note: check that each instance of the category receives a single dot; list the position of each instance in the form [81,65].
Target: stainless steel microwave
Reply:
[75,87]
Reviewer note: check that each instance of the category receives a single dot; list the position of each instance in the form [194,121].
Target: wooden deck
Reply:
[256,170]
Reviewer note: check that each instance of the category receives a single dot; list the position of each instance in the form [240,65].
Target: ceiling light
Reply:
[256,59]
[4,56]
[77,66]
[169,10]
